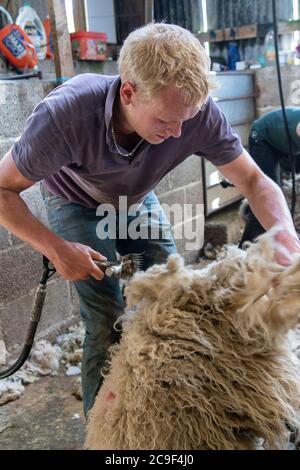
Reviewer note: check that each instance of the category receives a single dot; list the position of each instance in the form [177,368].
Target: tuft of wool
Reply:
[71,347]
[44,358]
[206,361]
[10,390]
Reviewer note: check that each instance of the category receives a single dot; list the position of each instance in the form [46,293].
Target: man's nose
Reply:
[175,129]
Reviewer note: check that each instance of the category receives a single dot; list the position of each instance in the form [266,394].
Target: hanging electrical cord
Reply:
[39,298]
[292,158]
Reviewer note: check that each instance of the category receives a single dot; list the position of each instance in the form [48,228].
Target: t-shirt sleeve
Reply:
[42,148]
[217,141]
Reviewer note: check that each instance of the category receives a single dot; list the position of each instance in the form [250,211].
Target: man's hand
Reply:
[288,245]
[268,204]
[75,262]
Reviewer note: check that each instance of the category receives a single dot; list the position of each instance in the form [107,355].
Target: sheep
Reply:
[206,360]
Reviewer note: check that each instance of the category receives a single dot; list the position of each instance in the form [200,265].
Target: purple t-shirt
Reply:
[67,142]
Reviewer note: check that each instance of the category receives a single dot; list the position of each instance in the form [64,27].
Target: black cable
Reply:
[292,158]
[48,271]
[22,76]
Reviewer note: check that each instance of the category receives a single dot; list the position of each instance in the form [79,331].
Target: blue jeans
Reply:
[101,302]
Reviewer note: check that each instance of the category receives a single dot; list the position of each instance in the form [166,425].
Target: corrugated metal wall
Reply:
[130,14]
[228,13]
[185,13]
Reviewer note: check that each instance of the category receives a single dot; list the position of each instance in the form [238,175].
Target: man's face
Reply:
[163,118]
[298,129]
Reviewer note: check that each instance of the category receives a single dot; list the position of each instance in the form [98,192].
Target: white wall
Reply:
[101,18]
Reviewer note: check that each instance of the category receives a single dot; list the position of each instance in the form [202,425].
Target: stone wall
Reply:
[20,265]
[183,185]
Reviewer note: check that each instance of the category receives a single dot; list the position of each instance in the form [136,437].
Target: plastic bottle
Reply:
[31,23]
[270,56]
[233,55]
[291,58]
[16,46]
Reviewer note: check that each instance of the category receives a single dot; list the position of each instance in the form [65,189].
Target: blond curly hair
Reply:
[159,54]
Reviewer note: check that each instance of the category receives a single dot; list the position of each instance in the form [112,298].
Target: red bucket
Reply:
[87,45]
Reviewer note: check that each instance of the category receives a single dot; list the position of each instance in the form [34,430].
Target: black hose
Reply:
[18,364]
[292,158]
[22,76]
[36,312]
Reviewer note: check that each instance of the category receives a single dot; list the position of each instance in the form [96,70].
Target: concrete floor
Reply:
[42,417]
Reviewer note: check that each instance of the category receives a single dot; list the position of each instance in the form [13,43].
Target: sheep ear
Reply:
[150,284]
[175,263]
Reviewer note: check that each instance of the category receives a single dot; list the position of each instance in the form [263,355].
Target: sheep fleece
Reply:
[206,361]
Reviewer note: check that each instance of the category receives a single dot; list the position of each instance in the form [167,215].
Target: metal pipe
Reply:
[235,98]
[149,11]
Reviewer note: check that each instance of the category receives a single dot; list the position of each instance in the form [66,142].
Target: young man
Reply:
[97,138]
[268,146]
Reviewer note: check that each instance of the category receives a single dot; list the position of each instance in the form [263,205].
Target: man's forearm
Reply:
[17,218]
[269,205]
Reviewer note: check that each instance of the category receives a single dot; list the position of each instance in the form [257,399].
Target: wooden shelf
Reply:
[289,27]
[229,34]
[247,32]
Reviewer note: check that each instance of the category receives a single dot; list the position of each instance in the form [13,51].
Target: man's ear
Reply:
[127,91]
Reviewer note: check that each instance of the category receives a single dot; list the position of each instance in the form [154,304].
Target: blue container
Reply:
[233,55]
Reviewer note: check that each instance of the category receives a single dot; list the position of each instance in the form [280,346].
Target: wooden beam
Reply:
[61,40]
[79,15]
